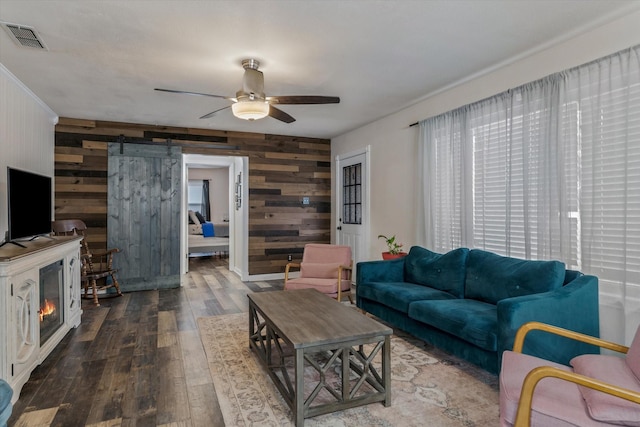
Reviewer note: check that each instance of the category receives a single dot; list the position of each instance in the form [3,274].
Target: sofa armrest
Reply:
[573,306]
[533,326]
[380,271]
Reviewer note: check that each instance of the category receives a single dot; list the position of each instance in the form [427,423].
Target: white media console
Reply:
[39,303]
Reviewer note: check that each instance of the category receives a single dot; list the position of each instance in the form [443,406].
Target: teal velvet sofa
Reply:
[470,303]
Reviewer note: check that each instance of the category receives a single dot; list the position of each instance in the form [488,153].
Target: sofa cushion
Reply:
[398,295]
[491,277]
[441,271]
[326,286]
[614,370]
[473,321]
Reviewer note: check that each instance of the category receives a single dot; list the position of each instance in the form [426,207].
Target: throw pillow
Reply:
[445,272]
[613,370]
[207,230]
[193,219]
[319,270]
[492,277]
[200,218]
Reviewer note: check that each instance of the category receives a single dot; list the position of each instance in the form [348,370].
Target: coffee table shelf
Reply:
[348,352]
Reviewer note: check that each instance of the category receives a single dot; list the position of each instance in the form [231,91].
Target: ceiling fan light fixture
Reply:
[251,103]
[250,110]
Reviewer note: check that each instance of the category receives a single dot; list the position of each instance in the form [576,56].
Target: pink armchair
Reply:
[323,267]
[596,390]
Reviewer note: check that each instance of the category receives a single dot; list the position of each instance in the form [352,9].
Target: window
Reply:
[610,131]
[515,172]
[549,170]
[352,194]
[194,196]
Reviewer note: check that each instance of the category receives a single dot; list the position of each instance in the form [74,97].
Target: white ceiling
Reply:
[104,58]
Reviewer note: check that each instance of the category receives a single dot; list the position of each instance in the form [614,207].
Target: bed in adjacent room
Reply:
[198,244]
[207,238]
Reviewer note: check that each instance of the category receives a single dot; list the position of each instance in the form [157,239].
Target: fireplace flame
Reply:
[47,308]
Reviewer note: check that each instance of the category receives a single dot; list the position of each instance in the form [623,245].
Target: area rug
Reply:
[428,387]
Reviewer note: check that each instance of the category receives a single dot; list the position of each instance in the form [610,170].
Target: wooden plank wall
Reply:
[282,170]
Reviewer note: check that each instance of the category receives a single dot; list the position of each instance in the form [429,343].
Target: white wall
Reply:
[394,145]
[27,135]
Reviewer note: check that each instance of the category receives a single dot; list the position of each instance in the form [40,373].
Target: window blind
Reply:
[609,97]
[549,170]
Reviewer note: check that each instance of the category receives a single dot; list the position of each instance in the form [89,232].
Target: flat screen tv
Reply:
[29,204]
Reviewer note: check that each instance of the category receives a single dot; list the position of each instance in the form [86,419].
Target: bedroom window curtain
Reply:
[206,206]
[549,170]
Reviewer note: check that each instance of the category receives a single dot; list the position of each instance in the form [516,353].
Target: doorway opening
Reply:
[208,211]
[225,220]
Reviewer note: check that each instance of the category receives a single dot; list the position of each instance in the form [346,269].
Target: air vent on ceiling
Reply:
[24,36]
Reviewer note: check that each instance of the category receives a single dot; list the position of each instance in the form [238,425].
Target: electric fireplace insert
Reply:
[51,300]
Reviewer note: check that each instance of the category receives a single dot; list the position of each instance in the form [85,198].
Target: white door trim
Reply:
[366,208]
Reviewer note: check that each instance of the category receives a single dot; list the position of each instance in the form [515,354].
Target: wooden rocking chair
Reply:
[95,265]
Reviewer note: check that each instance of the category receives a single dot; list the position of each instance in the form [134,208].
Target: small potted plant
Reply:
[395,249]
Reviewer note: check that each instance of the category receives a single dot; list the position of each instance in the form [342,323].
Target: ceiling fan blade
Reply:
[213,113]
[280,115]
[304,99]
[191,93]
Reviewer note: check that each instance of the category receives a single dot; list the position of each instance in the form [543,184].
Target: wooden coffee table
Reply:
[296,326]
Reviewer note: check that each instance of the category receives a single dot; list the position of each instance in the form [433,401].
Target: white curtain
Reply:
[549,170]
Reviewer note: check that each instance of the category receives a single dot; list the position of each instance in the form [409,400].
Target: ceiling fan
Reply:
[250,102]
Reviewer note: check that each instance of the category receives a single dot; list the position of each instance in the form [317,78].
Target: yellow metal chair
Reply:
[596,390]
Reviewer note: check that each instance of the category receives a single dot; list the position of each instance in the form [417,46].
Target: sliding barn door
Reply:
[144,214]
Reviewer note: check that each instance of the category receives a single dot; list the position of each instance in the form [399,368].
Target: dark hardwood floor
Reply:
[137,360]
